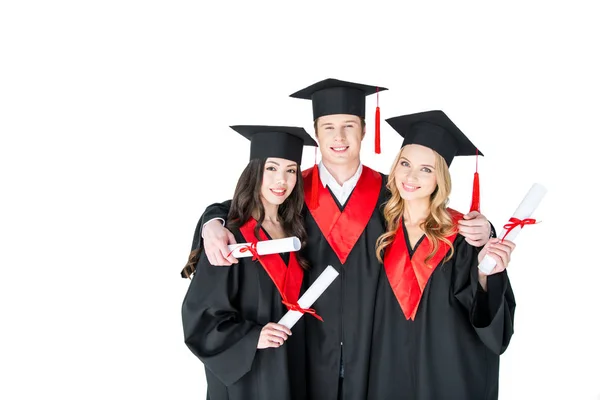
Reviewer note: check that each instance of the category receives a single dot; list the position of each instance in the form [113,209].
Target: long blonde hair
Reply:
[436,226]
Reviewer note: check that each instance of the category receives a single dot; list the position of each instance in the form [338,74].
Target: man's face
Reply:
[339,137]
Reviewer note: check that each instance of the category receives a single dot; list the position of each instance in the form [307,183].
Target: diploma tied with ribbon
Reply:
[520,218]
[264,247]
[310,296]
[285,245]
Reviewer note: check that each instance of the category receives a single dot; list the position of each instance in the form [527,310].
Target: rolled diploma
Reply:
[310,296]
[525,209]
[274,246]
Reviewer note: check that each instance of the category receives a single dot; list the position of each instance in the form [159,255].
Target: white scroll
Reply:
[264,247]
[525,210]
[310,296]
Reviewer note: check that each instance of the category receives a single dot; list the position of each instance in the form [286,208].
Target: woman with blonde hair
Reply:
[441,323]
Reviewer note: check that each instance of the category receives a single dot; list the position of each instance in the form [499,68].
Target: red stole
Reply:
[342,229]
[408,277]
[287,278]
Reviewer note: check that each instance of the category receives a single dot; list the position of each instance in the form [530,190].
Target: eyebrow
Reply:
[349,121]
[291,165]
[422,165]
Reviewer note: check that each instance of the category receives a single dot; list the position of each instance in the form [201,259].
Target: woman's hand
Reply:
[272,335]
[500,251]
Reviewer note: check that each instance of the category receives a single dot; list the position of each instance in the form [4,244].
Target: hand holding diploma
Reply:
[272,335]
[520,218]
[264,247]
[310,296]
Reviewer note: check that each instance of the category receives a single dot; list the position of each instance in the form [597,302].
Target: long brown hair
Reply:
[436,226]
[247,199]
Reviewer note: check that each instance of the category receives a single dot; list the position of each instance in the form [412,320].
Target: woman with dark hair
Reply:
[230,313]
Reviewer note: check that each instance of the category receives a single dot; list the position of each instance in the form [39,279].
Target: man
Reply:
[343,221]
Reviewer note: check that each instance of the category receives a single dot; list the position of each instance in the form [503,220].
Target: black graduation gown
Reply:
[343,339]
[347,306]
[223,313]
[451,350]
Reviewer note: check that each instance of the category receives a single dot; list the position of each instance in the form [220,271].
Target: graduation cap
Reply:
[275,141]
[433,129]
[333,96]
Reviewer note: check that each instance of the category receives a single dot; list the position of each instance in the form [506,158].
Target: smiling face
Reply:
[279,180]
[339,138]
[415,174]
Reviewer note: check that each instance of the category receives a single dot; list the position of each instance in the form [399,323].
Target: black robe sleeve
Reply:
[491,313]
[213,329]
[493,231]
[216,210]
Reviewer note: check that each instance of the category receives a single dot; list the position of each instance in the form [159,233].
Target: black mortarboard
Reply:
[435,130]
[332,96]
[275,141]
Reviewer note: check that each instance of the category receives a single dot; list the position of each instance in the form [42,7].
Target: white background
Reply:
[114,131]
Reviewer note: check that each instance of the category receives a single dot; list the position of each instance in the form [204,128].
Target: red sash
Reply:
[408,277]
[287,278]
[342,229]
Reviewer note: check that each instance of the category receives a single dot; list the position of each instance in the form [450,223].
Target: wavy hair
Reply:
[247,199]
[438,224]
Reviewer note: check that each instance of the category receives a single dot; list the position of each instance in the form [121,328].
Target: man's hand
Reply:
[216,238]
[475,228]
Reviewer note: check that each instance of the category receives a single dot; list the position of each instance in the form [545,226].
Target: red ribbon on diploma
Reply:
[296,307]
[245,248]
[514,222]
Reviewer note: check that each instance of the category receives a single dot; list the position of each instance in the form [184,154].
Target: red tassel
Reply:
[377,132]
[377,127]
[475,198]
[314,197]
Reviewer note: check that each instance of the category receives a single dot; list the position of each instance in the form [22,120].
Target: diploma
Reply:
[310,296]
[526,208]
[274,246]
